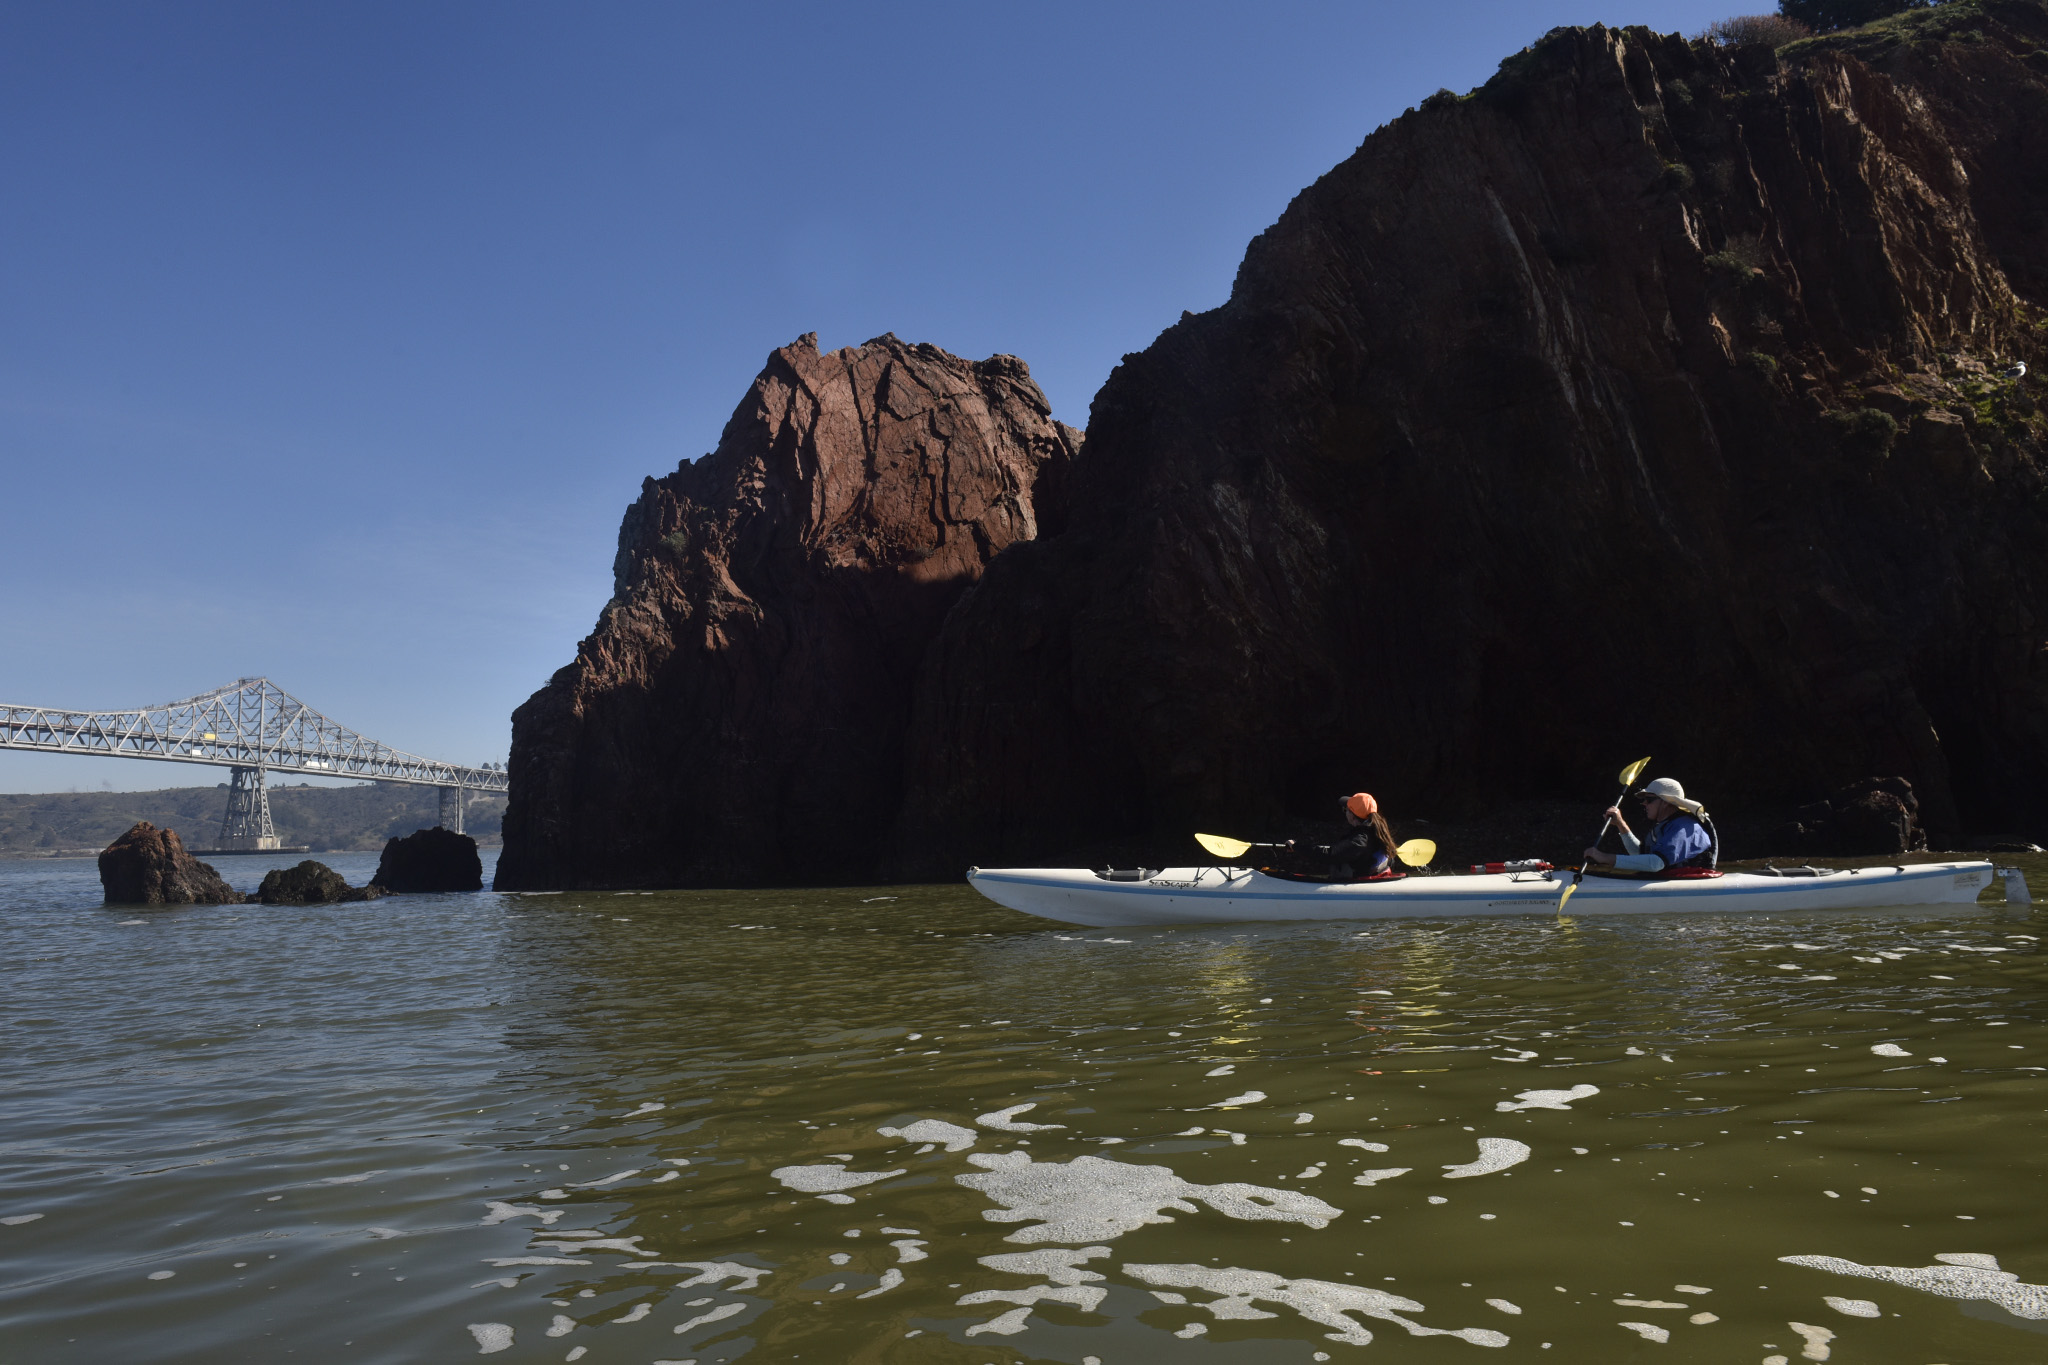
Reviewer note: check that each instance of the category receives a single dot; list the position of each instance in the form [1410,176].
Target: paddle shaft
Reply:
[1579,873]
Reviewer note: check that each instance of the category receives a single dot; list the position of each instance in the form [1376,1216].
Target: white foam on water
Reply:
[1495,1154]
[349,1179]
[1223,1070]
[1248,1097]
[665,1177]
[1817,1339]
[1093,1199]
[1889,1050]
[1236,1139]
[608,1180]
[1702,1319]
[502,1261]
[161,1274]
[1855,1308]
[1056,1265]
[716,1272]
[1375,1177]
[840,1257]
[1168,1296]
[1438,1199]
[625,1244]
[908,1249]
[1355,1142]
[678,1161]
[715,1315]
[827,1181]
[507,1283]
[562,1325]
[1192,1330]
[491,1337]
[890,1279]
[1195,1131]
[1977,1278]
[1310,1174]
[1304,1118]
[1547,1099]
[951,1135]
[552,1194]
[1648,1303]
[126,922]
[639,1311]
[1003,1324]
[1320,1301]
[650,1107]
[1648,1331]
[16,1220]
[579,1352]
[1691,1289]
[1503,1305]
[1005,1120]
[899,1232]
[1633,1052]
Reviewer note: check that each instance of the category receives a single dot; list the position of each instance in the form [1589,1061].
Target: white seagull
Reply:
[2018,371]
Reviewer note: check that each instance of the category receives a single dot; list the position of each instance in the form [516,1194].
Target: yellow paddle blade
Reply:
[1416,852]
[1222,847]
[1632,772]
[1565,897]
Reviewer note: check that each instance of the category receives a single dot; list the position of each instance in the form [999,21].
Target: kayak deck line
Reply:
[1223,895]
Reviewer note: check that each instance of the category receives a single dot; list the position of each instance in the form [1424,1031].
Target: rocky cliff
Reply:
[1645,400]
[1648,399]
[739,713]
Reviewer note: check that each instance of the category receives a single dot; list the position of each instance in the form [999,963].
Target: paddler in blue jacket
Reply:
[1678,838]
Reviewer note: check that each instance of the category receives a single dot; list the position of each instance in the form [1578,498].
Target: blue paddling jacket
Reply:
[1676,841]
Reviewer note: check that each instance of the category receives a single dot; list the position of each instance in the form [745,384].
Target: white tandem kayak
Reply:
[1229,895]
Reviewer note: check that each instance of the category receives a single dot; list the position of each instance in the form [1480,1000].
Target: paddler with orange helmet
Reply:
[1368,851]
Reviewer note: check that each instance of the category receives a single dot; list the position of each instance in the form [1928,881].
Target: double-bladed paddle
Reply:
[1628,781]
[1415,853]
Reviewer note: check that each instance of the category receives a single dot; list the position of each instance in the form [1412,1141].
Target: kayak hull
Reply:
[1236,895]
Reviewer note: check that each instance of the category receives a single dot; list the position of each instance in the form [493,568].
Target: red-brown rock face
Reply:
[738,714]
[149,866]
[1646,400]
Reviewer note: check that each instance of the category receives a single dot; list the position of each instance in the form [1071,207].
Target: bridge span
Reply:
[253,728]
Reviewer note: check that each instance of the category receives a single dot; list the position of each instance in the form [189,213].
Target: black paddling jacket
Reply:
[1358,856]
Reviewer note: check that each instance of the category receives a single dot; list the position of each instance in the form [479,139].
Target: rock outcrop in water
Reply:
[1649,399]
[149,866]
[739,713]
[312,883]
[1646,400]
[436,859]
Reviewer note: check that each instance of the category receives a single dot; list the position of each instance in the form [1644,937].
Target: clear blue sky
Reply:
[334,338]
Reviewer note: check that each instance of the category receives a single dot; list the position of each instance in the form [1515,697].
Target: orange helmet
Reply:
[1361,804]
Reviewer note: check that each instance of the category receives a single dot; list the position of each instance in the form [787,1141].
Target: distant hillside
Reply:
[324,818]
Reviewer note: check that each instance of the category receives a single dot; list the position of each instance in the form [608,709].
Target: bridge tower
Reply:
[247,824]
[453,799]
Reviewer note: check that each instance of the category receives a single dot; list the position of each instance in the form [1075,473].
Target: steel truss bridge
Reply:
[254,728]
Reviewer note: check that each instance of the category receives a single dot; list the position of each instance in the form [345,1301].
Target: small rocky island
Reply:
[150,866]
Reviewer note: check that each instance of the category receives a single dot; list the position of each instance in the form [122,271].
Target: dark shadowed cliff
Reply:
[1646,400]
[738,714]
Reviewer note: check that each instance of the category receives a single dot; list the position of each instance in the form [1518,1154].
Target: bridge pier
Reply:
[246,827]
[452,803]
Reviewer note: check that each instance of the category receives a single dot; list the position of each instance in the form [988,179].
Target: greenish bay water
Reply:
[642,1128]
